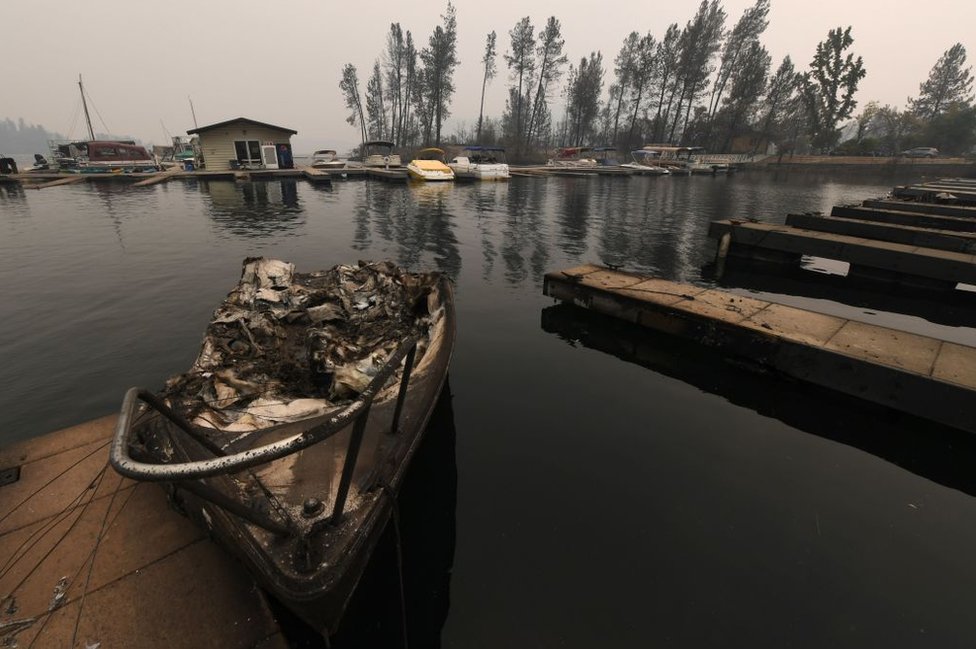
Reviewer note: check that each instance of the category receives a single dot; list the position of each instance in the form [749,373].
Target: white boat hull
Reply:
[428,175]
[498,171]
[376,160]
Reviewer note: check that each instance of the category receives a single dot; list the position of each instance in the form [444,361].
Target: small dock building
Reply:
[243,143]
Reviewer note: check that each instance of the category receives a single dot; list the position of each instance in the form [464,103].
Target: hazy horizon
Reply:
[140,66]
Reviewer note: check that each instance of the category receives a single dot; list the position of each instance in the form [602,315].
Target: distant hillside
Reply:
[20,137]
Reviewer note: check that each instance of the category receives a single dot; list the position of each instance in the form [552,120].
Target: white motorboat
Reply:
[379,153]
[327,159]
[429,165]
[481,163]
[645,162]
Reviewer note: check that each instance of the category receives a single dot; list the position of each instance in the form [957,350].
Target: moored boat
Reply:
[481,163]
[605,156]
[646,162]
[379,153]
[290,435]
[687,159]
[326,159]
[573,156]
[429,166]
[100,156]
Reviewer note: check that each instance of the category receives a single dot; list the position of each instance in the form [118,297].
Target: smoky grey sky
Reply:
[280,62]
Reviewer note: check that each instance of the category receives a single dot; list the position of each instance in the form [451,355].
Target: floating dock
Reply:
[388,175]
[941,209]
[90,559]
[936,192]
[923,376]
[911,235]
[897,262]
[42,180]
[905,215]
[911,242]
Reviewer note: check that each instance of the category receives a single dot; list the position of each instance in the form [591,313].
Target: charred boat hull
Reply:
[304,522]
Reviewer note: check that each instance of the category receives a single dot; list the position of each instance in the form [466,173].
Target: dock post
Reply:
[721,253]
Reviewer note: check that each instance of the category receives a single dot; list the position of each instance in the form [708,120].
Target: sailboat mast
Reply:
[91,133]
[192,112]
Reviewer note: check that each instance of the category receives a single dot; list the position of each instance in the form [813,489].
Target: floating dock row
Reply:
[313,175]
[904,263]
[926,240]
[916,374]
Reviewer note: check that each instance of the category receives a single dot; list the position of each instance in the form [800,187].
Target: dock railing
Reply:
[188,474]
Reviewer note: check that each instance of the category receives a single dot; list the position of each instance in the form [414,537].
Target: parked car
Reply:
[921,152]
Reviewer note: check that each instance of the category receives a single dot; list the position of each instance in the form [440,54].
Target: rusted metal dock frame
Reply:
[923,376]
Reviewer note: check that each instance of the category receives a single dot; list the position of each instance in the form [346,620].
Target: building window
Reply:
[248,151]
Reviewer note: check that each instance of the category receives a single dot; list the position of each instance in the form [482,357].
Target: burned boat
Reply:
[290,435]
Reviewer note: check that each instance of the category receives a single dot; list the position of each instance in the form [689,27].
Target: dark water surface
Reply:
[584,484]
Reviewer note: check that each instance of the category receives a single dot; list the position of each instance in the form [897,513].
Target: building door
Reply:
[285,159]
[269,156]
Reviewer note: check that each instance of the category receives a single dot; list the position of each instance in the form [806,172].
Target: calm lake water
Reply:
[583,484]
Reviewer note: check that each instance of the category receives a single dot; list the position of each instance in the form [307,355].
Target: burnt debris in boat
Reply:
[294,426]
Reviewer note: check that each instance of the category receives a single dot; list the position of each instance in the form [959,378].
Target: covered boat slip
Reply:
[289,437]
[923,376]
[90,557]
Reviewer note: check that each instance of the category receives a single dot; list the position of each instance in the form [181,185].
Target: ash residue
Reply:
[285,345]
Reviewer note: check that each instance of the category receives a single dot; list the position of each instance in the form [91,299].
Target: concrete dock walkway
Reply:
[923,376]
[88,558]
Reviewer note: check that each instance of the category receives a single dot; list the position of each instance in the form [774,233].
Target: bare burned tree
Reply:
[488,61]
[349,85]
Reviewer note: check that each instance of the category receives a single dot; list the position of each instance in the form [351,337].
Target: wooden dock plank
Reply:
[913,235]
[70,180]
[955,364]
[316,175]
[908,260]
[916,374]
[160,177]
[136,572]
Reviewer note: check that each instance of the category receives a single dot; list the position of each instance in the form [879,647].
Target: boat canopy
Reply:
[383,143]
[324,152]
[674,149]
[478,147]
[572,151]
[604,148]
[645,152]
[430,151]
[116,151]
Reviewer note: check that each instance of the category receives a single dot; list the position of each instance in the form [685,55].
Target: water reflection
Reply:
[11,192]
[525,232]
[418,218]
[574,211]
[936,452]
[426,537]
[254,209]
[484,201]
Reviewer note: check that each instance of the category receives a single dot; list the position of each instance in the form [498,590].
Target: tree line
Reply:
[707,83]
[21,138]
